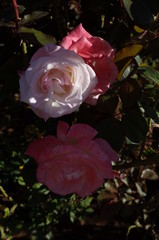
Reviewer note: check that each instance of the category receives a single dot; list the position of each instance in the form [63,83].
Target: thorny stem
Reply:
[15,6]
[151,161]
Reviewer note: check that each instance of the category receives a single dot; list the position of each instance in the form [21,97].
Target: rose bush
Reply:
[98,54]
[56,82]
[74,162]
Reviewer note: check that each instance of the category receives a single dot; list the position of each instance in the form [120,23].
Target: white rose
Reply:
[56,82]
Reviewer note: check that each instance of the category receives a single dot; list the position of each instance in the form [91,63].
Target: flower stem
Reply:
[15,6]
[151,161]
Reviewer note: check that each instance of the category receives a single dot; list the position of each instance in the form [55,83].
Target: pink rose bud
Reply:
[73,162]
[98,54]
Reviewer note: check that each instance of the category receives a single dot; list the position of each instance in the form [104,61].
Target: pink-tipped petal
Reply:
[80,44]
[74,36]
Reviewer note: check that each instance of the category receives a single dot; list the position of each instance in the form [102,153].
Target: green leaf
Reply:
[33,16]
[21,181]
[107,104]
[124,57]
[150,112]
[34,36]
[86,202]
[36,185]
[129,92]
[72,216]
[135,126]
[111,130]
[150,74]
[141,11]
[21,9]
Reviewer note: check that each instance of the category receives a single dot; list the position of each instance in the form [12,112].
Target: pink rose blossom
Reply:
[56,82]
[98,54]
[73,162]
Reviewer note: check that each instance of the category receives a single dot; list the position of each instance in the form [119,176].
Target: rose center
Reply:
[56,81]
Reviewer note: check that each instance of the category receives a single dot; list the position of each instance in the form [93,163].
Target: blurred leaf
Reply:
[8,14]
[151,48]
[89,210]
[44,190]
[72,216]
[86,202]
[49,236]
[140,12]
[21,181]
[150,112]
[6,212]
[128,51]
[7,24]
[124,57]
[135,125]
[139,189]
[21,9]
[110,187]
[149,174]
[34,36]
[138,29]
[129,92]
[126,72]
[107,104]
[111,130]
[33,16]
[149,73]
[36,185]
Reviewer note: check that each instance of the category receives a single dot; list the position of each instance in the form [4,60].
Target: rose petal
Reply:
[44,51]
[62,129]
[74,36]
[81,131]
[105,146]
[80,44]
[36,148]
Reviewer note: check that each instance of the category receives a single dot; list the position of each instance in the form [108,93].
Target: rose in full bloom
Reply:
[74,161]
[56,82]
[98,54]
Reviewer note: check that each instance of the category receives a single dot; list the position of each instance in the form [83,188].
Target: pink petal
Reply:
[74,36]
[99,156]
[101,46]
[93,180]
[106,72]
[80,44]
[82,131]
[105,146]
[63,175]
[62,129]
[36,148]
